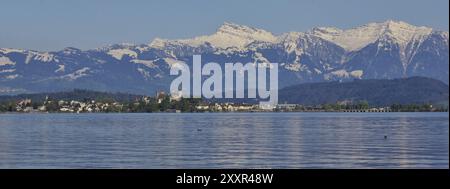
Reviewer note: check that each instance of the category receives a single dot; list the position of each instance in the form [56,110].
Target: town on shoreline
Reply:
[162,102]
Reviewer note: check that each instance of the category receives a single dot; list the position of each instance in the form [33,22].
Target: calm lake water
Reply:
[225,140]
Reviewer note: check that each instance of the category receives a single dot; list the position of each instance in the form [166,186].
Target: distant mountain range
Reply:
[387,50]
[414,90]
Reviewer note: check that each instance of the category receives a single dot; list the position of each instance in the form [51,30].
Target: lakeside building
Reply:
[159,96]
[286,107]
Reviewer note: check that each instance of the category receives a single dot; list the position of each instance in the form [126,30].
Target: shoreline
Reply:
[236,112]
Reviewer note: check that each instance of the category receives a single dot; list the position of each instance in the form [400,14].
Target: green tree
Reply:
[363,105]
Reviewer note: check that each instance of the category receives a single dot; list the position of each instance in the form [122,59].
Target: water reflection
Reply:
[226,140]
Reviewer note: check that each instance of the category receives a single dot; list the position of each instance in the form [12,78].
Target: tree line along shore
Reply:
[82,101]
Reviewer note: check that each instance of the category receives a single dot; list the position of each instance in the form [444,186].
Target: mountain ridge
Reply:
[397,50]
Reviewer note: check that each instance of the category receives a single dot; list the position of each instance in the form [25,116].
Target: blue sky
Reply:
[86,24]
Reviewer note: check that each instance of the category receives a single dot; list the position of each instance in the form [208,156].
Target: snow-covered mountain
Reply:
[391,49]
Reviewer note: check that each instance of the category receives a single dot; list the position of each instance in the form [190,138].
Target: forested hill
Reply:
[414,90]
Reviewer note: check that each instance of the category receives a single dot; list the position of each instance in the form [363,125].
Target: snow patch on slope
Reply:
[10,77]
[77,74]
[6,61]
[296,67]
[344,74]
[173,63]
[359,37]
[357,74]
[147,63]
[144,73]
[61,68]
[7,71]
[119,53]
[9,50]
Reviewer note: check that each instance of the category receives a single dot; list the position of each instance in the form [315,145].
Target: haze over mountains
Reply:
[386,50]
